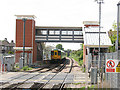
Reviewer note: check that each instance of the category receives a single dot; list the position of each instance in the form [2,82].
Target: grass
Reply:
[76,58]
[83,69]
[77,83]
[16,67]
[26,68]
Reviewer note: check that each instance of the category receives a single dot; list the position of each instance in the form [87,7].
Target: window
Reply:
[76,32]
[44,32]
[51,32]
[69,32]
[52,52]
[59,52]
[57,32]
[55,53]
[64,32]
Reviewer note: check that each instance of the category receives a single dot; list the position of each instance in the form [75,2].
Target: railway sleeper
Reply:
[59,86]
[37,86]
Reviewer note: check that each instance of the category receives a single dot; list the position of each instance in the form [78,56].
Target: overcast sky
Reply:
[55,13]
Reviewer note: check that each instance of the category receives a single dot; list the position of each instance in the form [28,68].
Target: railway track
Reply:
[45,85]
[49,67]
[59,85]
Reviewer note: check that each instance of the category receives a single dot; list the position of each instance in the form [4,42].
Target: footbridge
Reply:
[59,34]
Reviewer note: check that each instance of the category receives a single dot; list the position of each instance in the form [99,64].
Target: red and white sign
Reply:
[111,65]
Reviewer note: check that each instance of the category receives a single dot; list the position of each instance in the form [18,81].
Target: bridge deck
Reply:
[59,34]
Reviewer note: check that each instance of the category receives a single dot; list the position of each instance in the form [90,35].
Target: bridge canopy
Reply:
[59,34]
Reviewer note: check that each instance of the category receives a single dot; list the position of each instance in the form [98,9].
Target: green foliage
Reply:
[83,69]
[81,46]
[10,52]
[113,40]
[113,37]
[59,46]
[81,62]
[78,55]
[114,26]
[17,65]
[25,68]
[77,83]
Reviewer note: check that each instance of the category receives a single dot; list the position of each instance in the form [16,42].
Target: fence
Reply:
[113,79]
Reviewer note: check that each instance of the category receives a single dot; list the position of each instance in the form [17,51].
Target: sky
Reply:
[55,13]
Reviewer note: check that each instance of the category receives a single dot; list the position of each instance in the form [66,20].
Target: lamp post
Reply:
[99,2]
[24,20]
[118,30]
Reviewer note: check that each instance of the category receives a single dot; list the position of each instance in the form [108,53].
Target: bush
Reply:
[81,62]
[10,52]
[25,68]
[78,53]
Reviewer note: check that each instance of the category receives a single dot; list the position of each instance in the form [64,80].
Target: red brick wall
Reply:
[28,36]
[19,33]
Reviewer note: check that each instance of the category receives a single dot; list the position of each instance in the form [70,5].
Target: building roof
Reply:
[12,43]
[91,38]
[6,43]
[26,16]
[57,27]
[90,22]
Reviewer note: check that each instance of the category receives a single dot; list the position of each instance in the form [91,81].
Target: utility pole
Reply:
[99,2]
[118,30]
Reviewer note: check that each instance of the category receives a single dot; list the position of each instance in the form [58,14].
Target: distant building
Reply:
[7,46]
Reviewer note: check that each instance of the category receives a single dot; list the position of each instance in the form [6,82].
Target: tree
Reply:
[81,46]
[114,26]
[113,37]
[59,46]
[113,40]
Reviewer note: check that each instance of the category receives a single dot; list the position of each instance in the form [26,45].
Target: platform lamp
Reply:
[99,2]
[118,29]
[24,20]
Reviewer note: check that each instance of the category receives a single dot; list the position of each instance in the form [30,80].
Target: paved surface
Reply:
[24,77]
[27,79]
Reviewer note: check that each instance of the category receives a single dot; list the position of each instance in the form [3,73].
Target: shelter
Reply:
[91,41]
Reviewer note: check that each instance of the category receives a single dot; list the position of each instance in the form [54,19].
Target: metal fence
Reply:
[112,79]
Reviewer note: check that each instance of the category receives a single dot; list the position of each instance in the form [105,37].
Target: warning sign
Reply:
[118,67]
[112,66]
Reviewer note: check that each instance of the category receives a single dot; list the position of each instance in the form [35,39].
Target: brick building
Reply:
[31,47]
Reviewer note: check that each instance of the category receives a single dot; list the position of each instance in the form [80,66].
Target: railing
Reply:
[59,35]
